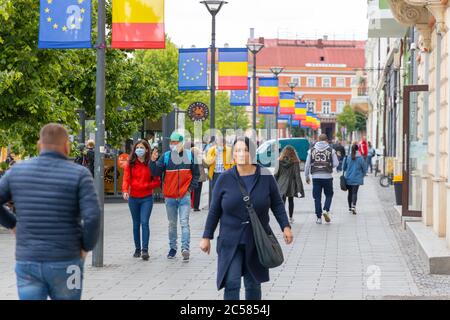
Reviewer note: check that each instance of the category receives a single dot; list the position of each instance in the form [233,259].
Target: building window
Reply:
[340,82]
[296,80]
[326,82]
[326,107]
[340,106]
[311,82]
[311,105]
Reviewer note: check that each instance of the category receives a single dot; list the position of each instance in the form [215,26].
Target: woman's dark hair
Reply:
[355,149]
[133,156]
[251,147]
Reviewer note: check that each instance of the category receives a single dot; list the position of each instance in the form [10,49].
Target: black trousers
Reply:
[197,195]
[291,205]
[352,196]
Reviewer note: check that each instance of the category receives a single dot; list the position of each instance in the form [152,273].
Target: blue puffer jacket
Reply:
[355,170]
[57,208]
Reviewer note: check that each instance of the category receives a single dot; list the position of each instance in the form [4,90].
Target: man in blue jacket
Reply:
[56,222]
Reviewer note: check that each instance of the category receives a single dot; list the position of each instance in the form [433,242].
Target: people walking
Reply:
[180,179]
[57,219]
[237,254]
[137,188]
[355,169]
[196,195]
[289,178]
[90,156]
[319,164]
[340,153]
[218,159]
[363,148]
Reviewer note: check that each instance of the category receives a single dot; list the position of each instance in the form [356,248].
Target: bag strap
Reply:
[245,195]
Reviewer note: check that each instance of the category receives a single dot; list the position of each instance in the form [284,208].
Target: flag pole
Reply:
[97,255]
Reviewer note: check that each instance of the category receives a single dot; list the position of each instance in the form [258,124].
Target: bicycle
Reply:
[386,180]
[377,164]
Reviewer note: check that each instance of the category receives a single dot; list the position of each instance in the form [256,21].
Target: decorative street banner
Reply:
[266,110]
[192,69]
[287,102]
[295,123]
[300,111]
[138,24]
[65,24]
[233,69]
[240,97]
[198,111]
[268,92]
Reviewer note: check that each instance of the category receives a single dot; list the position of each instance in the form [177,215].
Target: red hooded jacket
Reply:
[138,181]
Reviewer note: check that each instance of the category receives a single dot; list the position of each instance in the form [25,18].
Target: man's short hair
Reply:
[323,137]
[53,134]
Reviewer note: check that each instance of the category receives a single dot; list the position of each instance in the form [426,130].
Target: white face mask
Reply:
[173,147]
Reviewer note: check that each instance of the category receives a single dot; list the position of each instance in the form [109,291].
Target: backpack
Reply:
[322,161]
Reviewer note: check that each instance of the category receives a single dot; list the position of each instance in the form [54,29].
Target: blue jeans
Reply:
[236,270]
[179,208]
[141,209]
[57,280]
[327,186]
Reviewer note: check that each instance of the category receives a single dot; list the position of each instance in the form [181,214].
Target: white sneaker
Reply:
[319,221]
[326,215]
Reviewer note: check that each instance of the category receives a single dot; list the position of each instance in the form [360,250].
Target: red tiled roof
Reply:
[297,53]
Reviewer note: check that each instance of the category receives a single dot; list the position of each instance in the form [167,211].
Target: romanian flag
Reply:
[233,69]
[138,24]
[268,92]
[309,120]
[287,103]
[300,111]
[295,123]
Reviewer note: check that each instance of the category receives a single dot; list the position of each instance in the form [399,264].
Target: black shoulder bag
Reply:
[269,250]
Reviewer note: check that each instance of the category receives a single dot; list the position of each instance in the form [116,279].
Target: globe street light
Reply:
[276,71]
[291,85]
[213,8]
[254,48]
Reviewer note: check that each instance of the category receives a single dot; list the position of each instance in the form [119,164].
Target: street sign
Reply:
[198,111]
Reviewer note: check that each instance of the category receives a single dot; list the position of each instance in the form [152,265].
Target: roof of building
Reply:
[299,53]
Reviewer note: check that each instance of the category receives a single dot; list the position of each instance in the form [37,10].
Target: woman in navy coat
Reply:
[237,254]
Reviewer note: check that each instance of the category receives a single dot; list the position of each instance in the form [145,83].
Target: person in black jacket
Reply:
[340,152]
[58,219]
[238,256]
[90,156]
[289,178]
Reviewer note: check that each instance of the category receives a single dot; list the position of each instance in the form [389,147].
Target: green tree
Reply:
[361,122]
[347,119]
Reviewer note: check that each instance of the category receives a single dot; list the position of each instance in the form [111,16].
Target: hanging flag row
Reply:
[193,67]
[136,24]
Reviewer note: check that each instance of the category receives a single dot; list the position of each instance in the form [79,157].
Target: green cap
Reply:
[176,137]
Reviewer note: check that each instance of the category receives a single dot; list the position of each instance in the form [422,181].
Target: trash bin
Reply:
[398,187]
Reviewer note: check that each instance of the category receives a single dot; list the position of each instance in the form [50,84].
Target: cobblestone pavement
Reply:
[367,256]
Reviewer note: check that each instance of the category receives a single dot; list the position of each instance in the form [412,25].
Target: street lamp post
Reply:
[254,48]
[276,71]
[213,8]
[291,85]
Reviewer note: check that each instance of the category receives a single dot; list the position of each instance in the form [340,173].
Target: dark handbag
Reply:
[343,183]
[269,250]
[343,180]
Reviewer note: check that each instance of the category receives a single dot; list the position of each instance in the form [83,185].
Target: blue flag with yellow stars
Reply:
[192,69]
[65,24]
[240,97]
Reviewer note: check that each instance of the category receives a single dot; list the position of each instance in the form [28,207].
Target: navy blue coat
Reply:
[57,207]
[228,207]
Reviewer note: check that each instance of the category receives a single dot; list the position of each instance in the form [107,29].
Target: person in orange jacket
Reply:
[137,188]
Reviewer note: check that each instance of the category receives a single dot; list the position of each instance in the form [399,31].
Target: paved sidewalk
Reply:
[354,257]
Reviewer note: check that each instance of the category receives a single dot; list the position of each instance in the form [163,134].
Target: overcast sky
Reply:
[188,22]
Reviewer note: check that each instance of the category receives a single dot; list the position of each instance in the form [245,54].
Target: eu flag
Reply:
[192,69]
[65,24]
[266,110]
[240,97]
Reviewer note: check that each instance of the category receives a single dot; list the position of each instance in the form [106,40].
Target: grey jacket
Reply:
[289,179]
[321,145]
